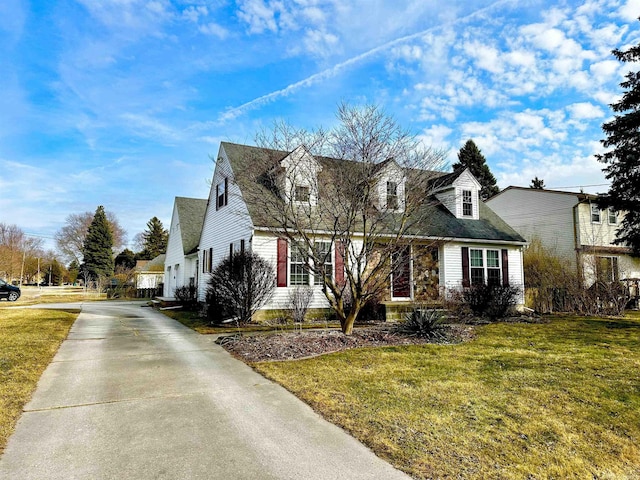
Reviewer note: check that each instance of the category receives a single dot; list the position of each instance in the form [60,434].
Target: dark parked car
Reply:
[10,292]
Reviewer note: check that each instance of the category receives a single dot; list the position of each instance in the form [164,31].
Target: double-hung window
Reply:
[595,213]
[467,203]
[323,256]
[222,194]
[392,195]
[477,266]
[301,193]
[298,265]
[484,267]
[613,216]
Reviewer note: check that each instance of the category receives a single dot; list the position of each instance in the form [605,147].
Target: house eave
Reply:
[426,238]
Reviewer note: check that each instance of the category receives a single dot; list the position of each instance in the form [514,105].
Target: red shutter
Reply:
[505,267]
[465,267]
[339,263]
[281,270]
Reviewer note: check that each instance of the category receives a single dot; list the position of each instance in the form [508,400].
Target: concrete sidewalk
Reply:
[132,394]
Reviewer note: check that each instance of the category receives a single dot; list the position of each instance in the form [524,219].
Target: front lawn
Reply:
[552,400]
[28,341]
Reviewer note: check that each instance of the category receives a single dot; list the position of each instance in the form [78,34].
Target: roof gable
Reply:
[191,212]
[251,167]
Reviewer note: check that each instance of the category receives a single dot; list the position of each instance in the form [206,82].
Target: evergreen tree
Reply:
[126,259]
[471,157]
[155,239]
[97,251]
[537,183]
[623,160]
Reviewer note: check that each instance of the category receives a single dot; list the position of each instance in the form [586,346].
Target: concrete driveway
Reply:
[132,394]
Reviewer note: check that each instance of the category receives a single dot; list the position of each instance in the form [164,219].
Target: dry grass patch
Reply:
[555,400]
[28,341]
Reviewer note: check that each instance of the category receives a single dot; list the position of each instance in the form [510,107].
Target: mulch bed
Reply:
[311,343]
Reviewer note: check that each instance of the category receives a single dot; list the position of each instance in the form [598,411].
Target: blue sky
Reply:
[120,103]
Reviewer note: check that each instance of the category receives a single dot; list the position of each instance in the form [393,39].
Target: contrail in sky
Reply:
[333,71]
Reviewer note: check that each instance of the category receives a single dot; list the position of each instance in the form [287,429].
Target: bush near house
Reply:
[238,287]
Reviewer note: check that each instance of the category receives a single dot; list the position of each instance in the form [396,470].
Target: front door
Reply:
[401,273]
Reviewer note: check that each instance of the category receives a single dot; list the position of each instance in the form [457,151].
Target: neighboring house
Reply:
[464,241]
[149,274]
[573,226]
[181,264]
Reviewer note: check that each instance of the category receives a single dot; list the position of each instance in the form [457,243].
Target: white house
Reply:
[181,263]
[573,226]
[149,274]
[464,242]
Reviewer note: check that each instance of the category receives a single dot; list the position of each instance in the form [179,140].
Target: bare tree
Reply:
[370,201]
[19,253]
[71,237]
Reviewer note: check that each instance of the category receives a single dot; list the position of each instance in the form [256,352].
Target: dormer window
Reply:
[467,203]
[301,194]
[392,195]
[222,196]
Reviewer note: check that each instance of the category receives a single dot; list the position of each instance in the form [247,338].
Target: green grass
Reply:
[541,401]
[28,341]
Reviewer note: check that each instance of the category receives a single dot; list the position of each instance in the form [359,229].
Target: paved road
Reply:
[132,394]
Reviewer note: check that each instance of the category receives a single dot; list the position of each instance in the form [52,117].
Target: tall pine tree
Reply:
[623,160]
[471,157]
[154,239]
[98,244]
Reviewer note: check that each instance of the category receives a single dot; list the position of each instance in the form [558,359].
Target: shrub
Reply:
[186,295]
[493,301]
[422,322]
[238,287]
[298,304]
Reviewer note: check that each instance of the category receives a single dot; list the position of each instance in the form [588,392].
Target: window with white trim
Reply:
[484,266]
[301,193]
[607,269]
[392,195]
[323,254]
[595,213]
[222,196]
[613,216]
[298,270]
[467,203]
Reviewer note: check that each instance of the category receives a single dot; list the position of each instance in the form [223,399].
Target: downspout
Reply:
[576,239]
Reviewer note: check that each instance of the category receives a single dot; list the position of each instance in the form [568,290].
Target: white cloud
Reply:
[214,29]
[260,16]
[630,10]
[585,111]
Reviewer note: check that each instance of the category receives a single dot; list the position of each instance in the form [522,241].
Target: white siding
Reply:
[452,198]
[175,253]
[591,233]
[451,264]
[229,224]
[545,215]
[266,245]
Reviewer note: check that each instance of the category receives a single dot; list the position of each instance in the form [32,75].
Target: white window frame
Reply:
[467,200]
[301,193]
[596,214]
[328,263]
[392,199]
[612,214]
[484,265]
[301,274]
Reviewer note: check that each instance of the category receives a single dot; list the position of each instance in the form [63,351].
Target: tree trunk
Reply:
[347,325]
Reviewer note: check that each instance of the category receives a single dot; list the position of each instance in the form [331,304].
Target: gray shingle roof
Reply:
[250,165]
[191,213]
